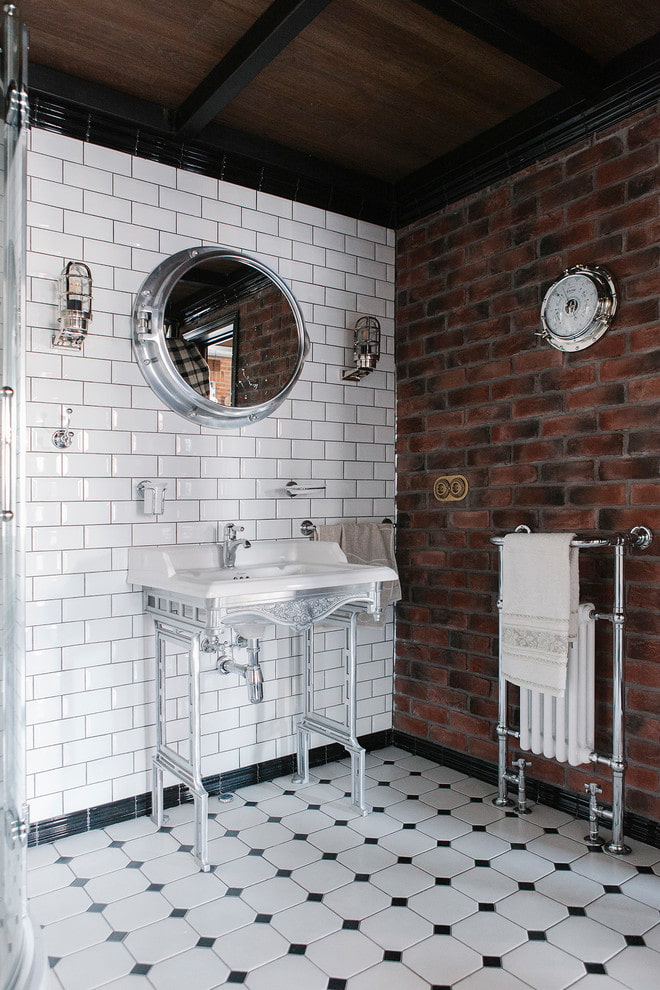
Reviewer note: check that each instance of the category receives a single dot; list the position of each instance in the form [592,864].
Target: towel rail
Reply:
[638,538]
[307,528]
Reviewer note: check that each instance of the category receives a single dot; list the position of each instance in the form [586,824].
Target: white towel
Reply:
[366,543]
[539,609]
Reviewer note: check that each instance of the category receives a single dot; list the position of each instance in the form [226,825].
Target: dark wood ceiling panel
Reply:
[153,49]
[601,28]
[378,88]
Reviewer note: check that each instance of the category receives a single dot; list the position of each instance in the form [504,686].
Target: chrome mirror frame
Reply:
[153,356]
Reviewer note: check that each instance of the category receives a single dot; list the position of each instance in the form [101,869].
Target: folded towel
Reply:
[366,543]
[539,609]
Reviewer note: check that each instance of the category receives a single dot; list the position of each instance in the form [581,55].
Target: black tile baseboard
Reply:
[635,826]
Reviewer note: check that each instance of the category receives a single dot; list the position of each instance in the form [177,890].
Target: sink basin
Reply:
[267,569]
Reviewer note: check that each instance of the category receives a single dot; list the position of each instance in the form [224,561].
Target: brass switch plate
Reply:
[451,488]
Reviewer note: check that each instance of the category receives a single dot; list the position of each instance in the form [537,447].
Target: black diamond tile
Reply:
[185,849]
[444,787]
[53,961]
[486,906]
[482,862]
[351,925]
[233,891]
[79,882]
[413,797]
[336,984]
[478,828]
[474,800]
[399,902]
[442,813]
[301,836]
[116,936]
[404,859]
[134,865]
[205,943]
[409,825]
[380,810]
[236,977]
[371,841]
[415,773]
[263,919]
[611,888]
[390,956]
[317,807]
[115,844]
[274,818]
[155,886]
[251,804]
[140,969]
[443,843]
[64,859]
[595,968]
[645,869]
[383,783]
[441,986]
[442,929]
[342,823]
[577,912]
[443,881]
[329,855]
[297,950]
[525,885]
[231,833]
[315,897]
[96,908]
[537,936]
[494,961]
[178,913]
[562,866]
[634,940]
[283,873]
[389,763]
[325,780]
[362,877]
[519,845]
[289,792]
[256,852]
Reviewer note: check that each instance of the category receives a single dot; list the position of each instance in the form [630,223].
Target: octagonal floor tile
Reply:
[344,954]
[396,928]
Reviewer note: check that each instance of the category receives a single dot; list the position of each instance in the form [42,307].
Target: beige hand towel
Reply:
[366,543]
[539,609]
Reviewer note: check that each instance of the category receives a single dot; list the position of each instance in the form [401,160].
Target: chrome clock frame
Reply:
[600,312]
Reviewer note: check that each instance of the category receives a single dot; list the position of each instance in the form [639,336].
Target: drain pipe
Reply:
[250,671]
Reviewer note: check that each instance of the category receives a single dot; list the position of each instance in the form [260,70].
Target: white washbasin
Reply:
[267,567]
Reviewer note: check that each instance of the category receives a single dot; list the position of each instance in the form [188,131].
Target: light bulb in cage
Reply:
[74,301]
[366,348]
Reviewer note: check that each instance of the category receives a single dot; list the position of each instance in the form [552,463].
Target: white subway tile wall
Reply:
[90,709]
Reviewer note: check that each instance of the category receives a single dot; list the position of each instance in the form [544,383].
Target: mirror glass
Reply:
[218,336]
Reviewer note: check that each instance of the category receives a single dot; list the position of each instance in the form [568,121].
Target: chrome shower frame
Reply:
[638,538]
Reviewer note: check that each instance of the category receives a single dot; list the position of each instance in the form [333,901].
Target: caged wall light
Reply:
[74,301]
[366,348]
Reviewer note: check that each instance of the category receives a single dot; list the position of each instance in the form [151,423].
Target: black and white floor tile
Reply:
[436,889]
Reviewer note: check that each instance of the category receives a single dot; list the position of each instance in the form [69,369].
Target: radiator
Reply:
[563,728]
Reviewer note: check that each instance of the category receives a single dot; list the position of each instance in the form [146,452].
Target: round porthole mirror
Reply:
[218,336]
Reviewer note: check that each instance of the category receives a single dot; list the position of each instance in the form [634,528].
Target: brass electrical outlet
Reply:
[451,488]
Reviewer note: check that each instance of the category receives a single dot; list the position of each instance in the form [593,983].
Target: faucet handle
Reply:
[231,529]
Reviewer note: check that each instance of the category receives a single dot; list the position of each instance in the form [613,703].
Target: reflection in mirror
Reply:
[231,333]
[218,336]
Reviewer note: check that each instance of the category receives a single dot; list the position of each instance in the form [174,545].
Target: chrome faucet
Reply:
[230,544]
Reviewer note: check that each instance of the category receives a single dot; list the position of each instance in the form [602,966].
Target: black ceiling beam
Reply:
[269,35]
[512,32]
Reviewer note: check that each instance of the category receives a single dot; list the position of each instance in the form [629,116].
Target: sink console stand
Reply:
[198,626]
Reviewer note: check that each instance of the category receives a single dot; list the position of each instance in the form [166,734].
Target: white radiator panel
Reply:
[563,728]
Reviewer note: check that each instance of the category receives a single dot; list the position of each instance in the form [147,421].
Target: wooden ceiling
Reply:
[373,104]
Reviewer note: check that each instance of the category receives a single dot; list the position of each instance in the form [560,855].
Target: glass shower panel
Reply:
[16,944]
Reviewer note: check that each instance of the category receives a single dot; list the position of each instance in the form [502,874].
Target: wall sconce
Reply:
[74,300]
[366,348]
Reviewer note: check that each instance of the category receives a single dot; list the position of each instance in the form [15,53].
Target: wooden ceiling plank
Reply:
[267,37]
[510,31]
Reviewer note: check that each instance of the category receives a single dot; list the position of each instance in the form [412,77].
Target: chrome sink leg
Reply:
[304,735]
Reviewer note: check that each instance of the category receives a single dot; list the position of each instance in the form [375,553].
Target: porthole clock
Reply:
[578,308]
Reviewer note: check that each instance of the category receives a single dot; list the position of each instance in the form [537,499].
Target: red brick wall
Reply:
[557,441]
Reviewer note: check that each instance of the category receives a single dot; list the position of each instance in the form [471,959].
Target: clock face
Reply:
[571,305]
[578,308]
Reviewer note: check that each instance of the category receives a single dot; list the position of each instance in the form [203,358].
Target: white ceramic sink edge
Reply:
[267,566]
